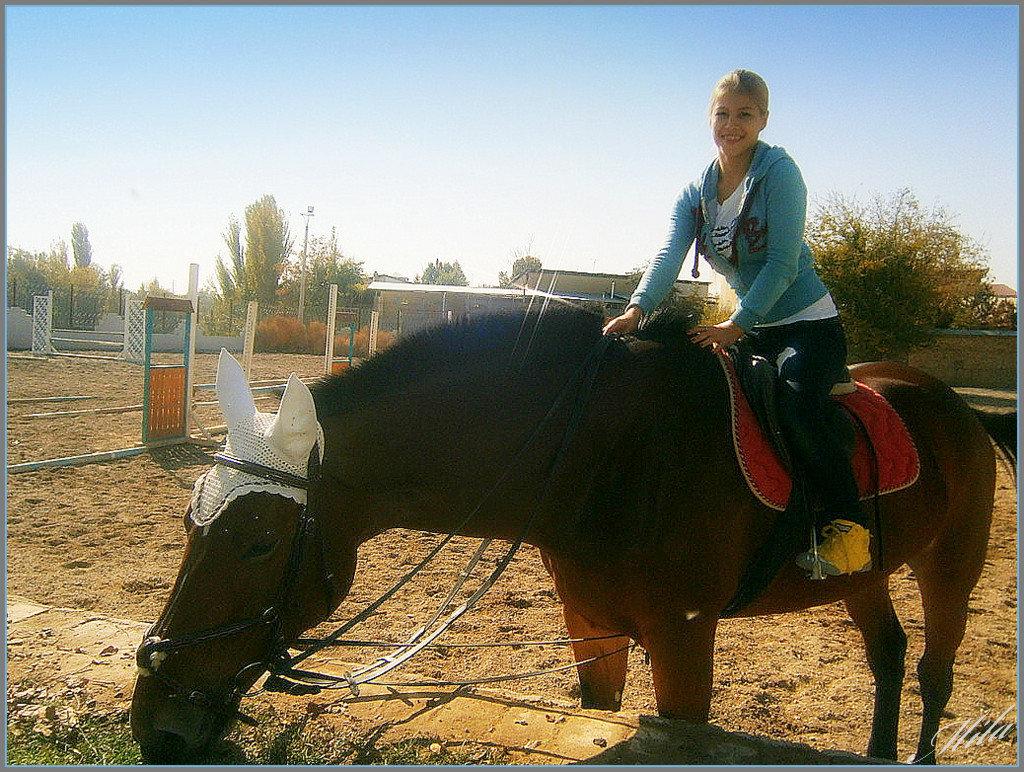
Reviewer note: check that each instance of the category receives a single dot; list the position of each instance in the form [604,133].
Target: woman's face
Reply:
[736,123]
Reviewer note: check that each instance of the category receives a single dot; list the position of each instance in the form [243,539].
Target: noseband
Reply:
[154,649]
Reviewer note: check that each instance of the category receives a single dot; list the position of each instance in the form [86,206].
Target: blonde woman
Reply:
[746,213]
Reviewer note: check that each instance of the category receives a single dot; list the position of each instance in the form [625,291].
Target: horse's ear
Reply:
[295,430]
[236,402]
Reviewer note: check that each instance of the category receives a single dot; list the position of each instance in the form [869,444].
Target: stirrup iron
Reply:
[816,573]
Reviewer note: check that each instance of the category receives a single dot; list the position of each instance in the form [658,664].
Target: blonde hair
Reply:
[741,82]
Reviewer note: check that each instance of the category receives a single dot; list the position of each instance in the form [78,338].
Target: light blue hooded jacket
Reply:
[770,268]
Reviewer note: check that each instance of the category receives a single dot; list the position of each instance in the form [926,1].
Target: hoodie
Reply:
[770,266]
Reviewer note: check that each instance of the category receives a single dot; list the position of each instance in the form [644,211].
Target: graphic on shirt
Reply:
[722,237]
[756,233]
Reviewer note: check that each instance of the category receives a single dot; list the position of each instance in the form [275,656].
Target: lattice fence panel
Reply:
[42,324]
[135,332]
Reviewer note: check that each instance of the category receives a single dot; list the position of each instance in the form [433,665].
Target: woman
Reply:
[747,214]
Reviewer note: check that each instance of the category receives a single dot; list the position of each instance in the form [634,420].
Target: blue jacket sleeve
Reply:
[657,281]
[785,213]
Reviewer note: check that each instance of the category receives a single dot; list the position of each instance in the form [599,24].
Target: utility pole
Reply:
[302,279]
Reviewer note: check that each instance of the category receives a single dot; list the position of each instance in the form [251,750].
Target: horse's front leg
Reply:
[682,655]
[603,679]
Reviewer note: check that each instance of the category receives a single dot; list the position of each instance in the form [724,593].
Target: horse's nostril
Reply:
[164,748]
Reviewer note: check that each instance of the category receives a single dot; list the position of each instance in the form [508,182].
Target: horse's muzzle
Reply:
[169,730]
[165,748]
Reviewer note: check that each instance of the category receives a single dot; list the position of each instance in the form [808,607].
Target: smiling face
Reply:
[737,120]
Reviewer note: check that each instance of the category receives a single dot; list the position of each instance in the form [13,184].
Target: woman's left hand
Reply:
[719,337]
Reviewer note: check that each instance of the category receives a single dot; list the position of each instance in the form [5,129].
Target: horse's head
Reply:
[258,570]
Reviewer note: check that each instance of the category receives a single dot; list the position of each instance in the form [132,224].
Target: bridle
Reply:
[275,652]
[276,659]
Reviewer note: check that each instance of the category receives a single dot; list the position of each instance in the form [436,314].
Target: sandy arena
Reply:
[105,540]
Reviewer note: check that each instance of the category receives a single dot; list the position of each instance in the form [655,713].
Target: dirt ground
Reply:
[106,539]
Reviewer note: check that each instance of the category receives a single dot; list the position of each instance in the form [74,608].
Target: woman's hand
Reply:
[719,337]
[625,323]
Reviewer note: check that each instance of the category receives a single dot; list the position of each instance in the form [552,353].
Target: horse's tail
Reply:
[1002,428]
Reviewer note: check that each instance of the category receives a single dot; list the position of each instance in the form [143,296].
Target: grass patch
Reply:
[92,741]
[277,740]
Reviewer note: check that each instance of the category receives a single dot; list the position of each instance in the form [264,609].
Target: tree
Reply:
[268,243]
[80,244]
[232,277]
[325,265]
[255,270]
[80,294]
[115,284]
[522,261]
[897,272]
[443,273]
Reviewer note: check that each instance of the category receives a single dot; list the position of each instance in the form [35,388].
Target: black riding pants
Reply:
[810,358]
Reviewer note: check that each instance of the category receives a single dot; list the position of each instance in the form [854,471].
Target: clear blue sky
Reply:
[465,133]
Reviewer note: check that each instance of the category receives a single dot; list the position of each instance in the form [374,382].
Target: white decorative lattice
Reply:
[134,332]
[42,324]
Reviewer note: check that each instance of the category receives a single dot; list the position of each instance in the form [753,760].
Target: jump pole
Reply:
[29,400]
[89,458]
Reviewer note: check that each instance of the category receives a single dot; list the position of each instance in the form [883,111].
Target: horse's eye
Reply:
[260,549]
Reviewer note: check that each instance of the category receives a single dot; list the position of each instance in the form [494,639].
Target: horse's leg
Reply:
[944,594]
[682,659]
[601,681]
[947,571]
[886,646]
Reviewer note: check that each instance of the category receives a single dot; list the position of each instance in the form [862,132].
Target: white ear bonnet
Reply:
[282,442]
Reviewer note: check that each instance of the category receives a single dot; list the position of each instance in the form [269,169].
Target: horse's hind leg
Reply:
[945,590]
[886,646]
[947,572]
[603,679]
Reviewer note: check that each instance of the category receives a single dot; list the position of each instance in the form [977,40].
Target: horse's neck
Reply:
[430,457]
[427,461]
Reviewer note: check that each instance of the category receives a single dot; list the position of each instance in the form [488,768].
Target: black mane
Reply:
[669,326]
[521,338]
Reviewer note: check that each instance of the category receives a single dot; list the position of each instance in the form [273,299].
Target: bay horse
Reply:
[646,523]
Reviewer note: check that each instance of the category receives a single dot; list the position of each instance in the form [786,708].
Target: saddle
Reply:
[878,443]
[882,453]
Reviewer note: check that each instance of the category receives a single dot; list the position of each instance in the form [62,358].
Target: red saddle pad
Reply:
[898,461]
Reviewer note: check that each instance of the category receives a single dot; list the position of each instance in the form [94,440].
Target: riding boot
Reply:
[813,432]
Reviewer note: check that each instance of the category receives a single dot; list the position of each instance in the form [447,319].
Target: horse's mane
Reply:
[523,339]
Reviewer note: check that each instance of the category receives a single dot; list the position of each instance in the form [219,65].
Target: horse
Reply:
[611,455]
